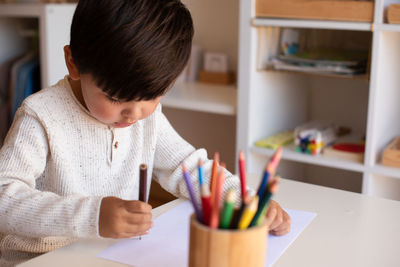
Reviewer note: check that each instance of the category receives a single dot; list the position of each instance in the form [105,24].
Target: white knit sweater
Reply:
[57,163]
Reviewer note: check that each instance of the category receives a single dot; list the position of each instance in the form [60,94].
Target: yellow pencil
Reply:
[248,213]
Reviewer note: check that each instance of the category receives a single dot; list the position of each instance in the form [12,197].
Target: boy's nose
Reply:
[130,114]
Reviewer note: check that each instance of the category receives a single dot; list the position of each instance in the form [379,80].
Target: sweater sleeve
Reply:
[171,151]
[24,209]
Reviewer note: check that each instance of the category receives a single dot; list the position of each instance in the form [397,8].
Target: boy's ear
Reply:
[71,66]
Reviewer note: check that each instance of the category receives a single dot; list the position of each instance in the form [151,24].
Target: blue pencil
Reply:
[189,185]
[269,170]
[201,173]
[263,185]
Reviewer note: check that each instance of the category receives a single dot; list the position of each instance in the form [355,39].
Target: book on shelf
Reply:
[323,65]
[276,140]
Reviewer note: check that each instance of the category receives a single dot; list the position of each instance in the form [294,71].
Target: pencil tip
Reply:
[183,167]
[143,166]
[231,195]
[241,155]
[200,162]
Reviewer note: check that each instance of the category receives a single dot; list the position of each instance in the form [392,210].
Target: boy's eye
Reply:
[113,100]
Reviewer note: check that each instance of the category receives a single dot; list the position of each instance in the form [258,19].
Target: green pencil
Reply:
[227,211]
[263,207]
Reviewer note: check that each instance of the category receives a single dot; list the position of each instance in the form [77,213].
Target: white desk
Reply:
[350,230]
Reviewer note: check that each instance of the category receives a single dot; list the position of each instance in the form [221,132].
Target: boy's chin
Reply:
[121,125]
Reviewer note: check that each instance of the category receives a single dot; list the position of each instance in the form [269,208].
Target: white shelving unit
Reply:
[53,22]
[273,101]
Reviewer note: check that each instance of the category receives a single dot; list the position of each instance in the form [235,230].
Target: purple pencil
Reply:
[189,185]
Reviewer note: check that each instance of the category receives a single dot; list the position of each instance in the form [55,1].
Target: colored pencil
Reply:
[214,218]
[248,213]
[201,173]
[214,174]
[206,203]
[239,212]
[143,182]
[189,185]
[227,210]
[242,173]
[142,185]
[263,206]
[269,171]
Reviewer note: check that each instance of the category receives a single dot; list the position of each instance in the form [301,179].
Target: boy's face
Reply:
[107,110]
[111,111]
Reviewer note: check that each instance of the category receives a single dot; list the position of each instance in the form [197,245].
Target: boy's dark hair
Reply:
[134,49]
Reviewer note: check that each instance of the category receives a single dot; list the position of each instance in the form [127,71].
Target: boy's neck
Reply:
[77,90]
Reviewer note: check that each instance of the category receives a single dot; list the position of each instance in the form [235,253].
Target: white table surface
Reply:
[350,229]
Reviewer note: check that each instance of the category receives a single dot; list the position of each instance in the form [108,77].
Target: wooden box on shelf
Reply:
[216,77]
[394,13]
[341,10]
[391,154]
[59,1]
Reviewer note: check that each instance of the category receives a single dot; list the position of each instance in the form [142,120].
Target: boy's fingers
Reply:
[284,226]
[280,232]
[282,229]
[139,218]
[277,220]
[135,206]
[271,214]
[129,235]
[138,228]
[137,234]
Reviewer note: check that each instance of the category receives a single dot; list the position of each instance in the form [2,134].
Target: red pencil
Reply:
[214,218]
[206,203]
[242,173]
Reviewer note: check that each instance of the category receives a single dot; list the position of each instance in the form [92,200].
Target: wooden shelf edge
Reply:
[314,24]
[386,171]
[321,160]
[361,77]
[386,27]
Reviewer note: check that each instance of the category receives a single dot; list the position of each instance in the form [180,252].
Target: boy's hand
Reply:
[279,221]
[121,218]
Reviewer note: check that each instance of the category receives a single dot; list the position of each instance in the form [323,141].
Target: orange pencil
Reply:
[214,174]
[214,218]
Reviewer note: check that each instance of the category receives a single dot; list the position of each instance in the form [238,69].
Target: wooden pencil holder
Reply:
[226,248]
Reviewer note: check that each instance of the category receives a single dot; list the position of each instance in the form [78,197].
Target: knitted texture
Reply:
[58,162]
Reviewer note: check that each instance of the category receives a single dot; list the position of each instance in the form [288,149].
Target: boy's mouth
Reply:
[122,125]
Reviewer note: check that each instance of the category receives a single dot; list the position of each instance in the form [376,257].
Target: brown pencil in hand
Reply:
[143,183]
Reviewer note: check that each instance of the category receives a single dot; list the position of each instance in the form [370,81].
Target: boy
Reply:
[69,165]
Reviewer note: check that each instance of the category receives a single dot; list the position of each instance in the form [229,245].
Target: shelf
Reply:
[289,153]
[361,77]
[387,171]
[314,24]
[218,99]
[388,27]
[22,10]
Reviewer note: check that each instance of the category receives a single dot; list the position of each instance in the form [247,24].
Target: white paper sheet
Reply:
[167,244]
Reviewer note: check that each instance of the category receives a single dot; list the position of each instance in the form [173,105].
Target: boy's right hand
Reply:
[122,218]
